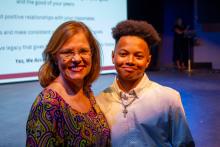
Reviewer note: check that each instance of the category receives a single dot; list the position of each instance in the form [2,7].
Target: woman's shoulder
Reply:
[48,95]
[47,98]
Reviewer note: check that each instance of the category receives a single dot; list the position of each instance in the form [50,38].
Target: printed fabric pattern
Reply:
[52,122]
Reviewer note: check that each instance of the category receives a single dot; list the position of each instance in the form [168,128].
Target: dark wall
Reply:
[208,11]
[158,12]
[148,10]
[174,9]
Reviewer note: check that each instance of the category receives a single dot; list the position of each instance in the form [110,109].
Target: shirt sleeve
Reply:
[180,134]
[39,127]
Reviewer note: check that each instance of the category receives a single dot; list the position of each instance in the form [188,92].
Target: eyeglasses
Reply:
[69,54]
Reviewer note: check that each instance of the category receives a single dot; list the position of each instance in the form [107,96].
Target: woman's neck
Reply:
[73,94]
[71,88]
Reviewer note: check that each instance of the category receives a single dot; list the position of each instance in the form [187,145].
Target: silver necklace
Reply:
[127,99]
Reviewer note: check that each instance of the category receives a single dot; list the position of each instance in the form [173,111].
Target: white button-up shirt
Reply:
[155,118]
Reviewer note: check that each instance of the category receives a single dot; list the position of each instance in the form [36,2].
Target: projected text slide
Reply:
[27,25]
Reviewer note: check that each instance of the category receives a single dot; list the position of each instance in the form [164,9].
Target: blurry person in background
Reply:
[179,45]
[65,112]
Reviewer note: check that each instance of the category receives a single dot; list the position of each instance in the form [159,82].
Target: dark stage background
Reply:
[202,17]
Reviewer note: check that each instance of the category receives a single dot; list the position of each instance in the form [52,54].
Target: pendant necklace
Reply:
[127,100]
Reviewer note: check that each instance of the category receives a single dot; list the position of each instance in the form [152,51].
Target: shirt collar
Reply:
[138,89]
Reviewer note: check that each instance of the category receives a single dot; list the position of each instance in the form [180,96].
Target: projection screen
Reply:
[27,25]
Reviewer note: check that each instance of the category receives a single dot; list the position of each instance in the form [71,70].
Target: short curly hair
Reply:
[138,28]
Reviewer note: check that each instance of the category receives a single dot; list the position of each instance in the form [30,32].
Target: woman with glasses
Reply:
[65,112]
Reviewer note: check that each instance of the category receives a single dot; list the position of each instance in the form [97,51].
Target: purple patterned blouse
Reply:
[52,122]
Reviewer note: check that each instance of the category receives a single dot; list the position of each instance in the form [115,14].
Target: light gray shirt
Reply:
[154,116]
